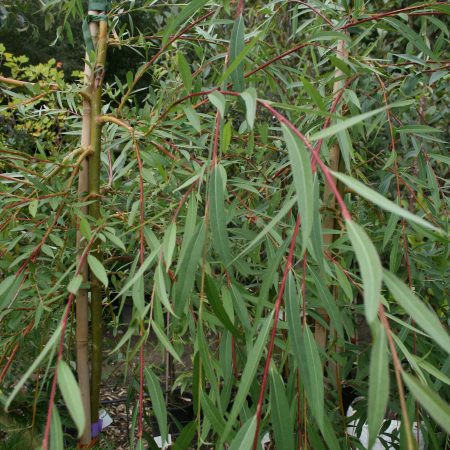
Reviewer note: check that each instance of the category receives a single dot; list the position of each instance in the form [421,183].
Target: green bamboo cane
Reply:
[94,212]
[82,302]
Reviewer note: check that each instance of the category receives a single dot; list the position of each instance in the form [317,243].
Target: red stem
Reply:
[83,258]
[345,212]
[274,331]
[389,13]
[327,122]
[316,11]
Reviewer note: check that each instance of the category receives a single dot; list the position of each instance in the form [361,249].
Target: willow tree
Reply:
[267,194]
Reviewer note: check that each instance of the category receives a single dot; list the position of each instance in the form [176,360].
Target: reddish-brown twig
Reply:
[277,307]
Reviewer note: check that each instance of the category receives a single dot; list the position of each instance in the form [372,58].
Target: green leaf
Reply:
[184,440]
[56,432]
[438,409]
[169,243]
[244,438]
[138,295]
[350,122]
[374,197]
[378,384]
[213,414]
[147,262]
[158,403]
[33,207]
[115,240]
[411,36]
[311,371]
[9,288]
[48,346]
[236,55]
[248,375]
[97,269]
[328,302]
[227,132]
[313,93]
[303,182]
[281,420]
[219,101]
[75,284]
[218,220]
[185,71]
[165,341]
[370,267]
[418,129]
[215,301]
[6,284]
[269,227]
[72,396]
[160,288]
[249,96]
[85,228]
[189,10]
[193,117]
[421,314]
[187,269]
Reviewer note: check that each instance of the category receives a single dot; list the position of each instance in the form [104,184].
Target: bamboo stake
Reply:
[82,301]
[329,200]
[94,212]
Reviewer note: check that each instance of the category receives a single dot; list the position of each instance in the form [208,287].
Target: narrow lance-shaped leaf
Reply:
[97,269]
[160,288]
[72,395]
[75,284]
[370,267]
[219,101]
[213,414]
[249,96]
[268,228]
[312,374]
[187,270]
[218,220]
[189,10]
[185,71]
[374,197]
[147,263]
[193,117]
[158,403]
[378,384]
[254,356]
[281,420]
[303,181]
[411,36]
[438,409]
[421,314]
[236,47]
[350,122]
[56,433]
[162,338]
[48,346]
[169,244]
[244,438]
[138,295]
[305,352]
[216,303]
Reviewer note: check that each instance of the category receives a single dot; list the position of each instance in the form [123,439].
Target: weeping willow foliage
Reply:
[272,209]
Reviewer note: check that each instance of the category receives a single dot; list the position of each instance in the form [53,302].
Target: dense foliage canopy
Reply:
[271,206]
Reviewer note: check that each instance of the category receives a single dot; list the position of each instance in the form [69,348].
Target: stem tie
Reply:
[94,5]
